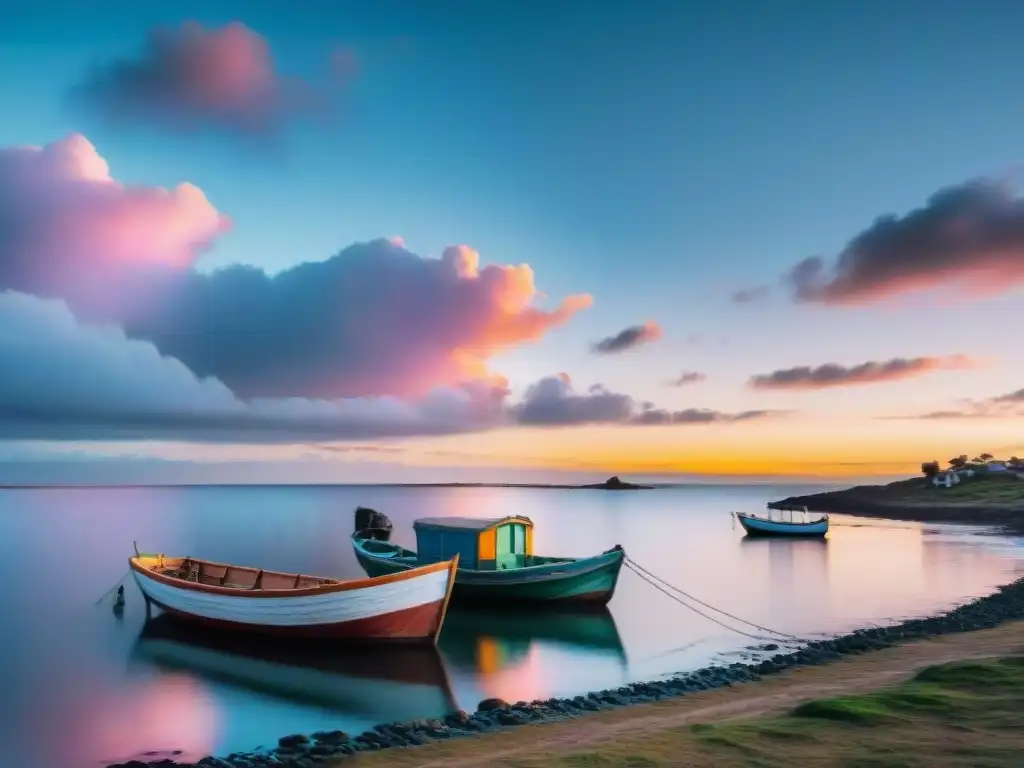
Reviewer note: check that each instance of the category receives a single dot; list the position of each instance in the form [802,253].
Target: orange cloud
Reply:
[836,375]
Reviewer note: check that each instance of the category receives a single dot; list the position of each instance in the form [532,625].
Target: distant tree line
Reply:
[932,468]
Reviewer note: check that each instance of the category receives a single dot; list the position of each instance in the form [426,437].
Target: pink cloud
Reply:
[67,227]
[190,77]
[375,319]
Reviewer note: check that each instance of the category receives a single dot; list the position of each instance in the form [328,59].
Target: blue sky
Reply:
[656,155]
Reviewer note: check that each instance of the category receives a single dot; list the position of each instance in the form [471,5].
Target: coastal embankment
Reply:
[642,716]
[996,500]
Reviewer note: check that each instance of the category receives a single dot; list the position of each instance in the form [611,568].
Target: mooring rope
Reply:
[652,579]
[697,610]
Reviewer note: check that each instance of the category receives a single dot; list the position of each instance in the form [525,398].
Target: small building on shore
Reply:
[947,478]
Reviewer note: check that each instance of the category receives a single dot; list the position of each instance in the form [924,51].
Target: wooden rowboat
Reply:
[497,556]
[798,523]
[408,606]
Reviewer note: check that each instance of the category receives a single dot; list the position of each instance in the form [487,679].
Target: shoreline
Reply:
[872,703]
[1004,605]
[1007,518]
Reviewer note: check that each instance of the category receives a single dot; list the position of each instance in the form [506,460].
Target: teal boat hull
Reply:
[759,526]
[583,581]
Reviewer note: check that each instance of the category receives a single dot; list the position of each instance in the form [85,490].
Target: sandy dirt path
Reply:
[773,695]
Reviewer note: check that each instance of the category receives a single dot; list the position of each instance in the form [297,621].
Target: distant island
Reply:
[614,484]
[611,484]
[975,491]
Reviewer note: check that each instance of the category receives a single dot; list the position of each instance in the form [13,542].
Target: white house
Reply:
[946,479]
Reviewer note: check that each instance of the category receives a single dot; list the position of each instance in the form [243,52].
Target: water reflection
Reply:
[372,682]
[533,654]
[486,642]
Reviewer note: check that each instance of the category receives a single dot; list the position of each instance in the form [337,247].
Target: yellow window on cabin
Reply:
[529,540]
[488,545]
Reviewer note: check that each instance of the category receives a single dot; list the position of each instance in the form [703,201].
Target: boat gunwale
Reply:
[341,585]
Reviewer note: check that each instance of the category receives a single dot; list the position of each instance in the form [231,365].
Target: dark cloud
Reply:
[64,380]
[969,238]
[750,295]
[835,375]
[688,377]
[375,319]
[650,415]
[628,338]
[554,402]
[187,78]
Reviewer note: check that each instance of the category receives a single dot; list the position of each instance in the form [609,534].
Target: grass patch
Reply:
[857,710]
[963,714]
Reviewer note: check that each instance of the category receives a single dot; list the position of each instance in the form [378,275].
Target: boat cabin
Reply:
[484,544]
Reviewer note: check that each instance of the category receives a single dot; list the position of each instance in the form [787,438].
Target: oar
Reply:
[116,585]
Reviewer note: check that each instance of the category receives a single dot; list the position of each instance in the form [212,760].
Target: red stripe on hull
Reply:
[419,624]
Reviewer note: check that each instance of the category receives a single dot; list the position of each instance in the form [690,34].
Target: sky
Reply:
[478,240]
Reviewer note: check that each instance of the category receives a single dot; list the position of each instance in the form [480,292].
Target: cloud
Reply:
[65,380]
[375,319]
[628,338]
[553,401]
[872,372]
[650,415]
[1007,406]
[969,238]
[67,228]
[750,295]
[688,377]
[188,78]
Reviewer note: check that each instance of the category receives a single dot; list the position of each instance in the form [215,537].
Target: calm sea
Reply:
[83,687]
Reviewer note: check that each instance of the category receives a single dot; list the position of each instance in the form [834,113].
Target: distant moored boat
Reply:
[791,521]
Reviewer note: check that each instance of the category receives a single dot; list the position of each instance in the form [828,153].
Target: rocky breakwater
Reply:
[300,751]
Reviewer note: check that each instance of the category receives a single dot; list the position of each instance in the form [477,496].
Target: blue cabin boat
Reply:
[497,563]
[790,521]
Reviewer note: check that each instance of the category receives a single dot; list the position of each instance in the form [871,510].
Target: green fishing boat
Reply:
[500,566]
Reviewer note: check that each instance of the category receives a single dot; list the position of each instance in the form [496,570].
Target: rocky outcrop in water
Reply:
[615,484]
[301,751]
